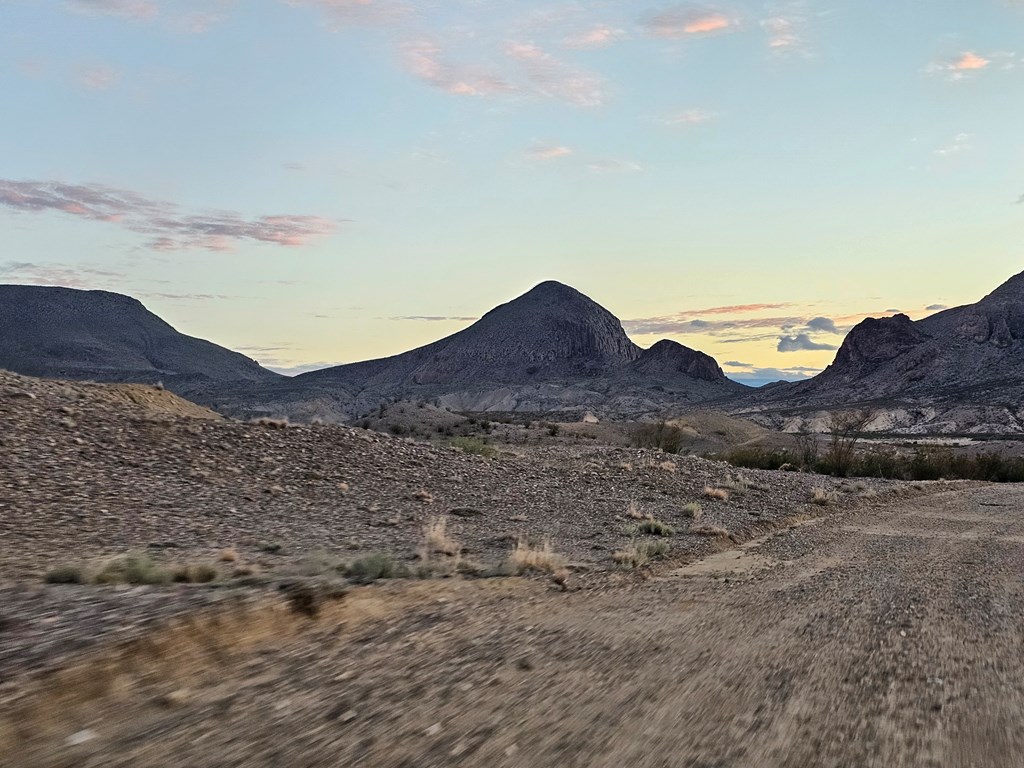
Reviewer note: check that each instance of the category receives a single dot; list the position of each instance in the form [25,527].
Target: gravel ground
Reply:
[884,637]
[90,472]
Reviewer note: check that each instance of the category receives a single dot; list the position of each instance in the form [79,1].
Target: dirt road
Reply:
[889,637]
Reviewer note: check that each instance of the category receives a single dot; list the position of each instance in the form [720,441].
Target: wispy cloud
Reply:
[551,77]
[686,21]
[67,275]
[600,36]
[340,14]
[961,143]
[98,78]
[687,117]
[136,10]
[614,166]
[936,307]
[802,342]
[168,226]
[547,152]
[424,59]
[197,23]
[1020,200]
[434,318]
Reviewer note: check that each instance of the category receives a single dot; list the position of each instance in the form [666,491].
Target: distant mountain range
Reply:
[960,370]
[552,350]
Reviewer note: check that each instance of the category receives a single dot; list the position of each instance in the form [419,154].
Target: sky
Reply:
[314,182]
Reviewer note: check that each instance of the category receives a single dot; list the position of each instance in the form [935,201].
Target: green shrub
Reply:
[652,527]
[659,434]
[372,567]
[65,574]
[473,445]
[132,569]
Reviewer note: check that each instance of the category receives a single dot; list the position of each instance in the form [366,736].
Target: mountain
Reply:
[72,334]
[550,350]
[960,370]
[553,331]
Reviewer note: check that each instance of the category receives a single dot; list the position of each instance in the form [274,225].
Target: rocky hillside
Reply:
[73,334]
[550,350]
[961,370]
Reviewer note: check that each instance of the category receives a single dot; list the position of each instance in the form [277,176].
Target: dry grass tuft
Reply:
[692,511]
[633,511]
[626,466]
[651,527]
[668,466]
[424,495]
[436,540]
[823,497]
[639,554]
[705,529]
[719,494]
[738,485]
[229,555]
[542,557]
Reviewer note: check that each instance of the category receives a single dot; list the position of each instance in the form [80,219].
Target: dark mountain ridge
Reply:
[73,334]
[959,370]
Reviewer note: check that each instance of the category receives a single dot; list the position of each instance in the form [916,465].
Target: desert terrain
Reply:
[570,602]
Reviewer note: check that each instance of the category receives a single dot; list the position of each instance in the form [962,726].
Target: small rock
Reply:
[433,730]
[81,737]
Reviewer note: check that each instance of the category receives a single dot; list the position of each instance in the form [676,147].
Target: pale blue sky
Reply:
[288,178]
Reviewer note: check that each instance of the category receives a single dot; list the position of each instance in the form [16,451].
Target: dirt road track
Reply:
[890,637]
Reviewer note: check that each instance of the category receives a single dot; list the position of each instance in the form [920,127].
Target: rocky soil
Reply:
[279,661]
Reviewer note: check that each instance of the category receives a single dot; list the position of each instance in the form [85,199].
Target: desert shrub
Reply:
[266,421]
[436,540]
[194,574]
[822,496]
[554,429]
[719,494]
[759,458]
[692,511]
[639,554]
[473,445]
[652,527]
[371,568]
[633,511]
[271,547]
[131,569]
[540,557]
[65,574]
[658,434]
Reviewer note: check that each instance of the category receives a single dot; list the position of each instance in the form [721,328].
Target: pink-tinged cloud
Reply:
[596,37]
[424,59]
[98,78]
[969,61]
[681,22]
[168,227]
[555,79]
[547,152]
[340,14]
[136,10]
